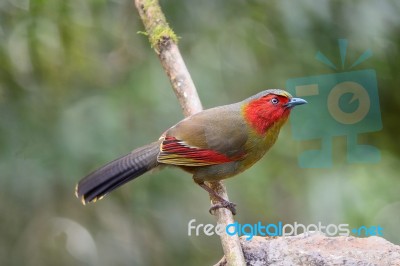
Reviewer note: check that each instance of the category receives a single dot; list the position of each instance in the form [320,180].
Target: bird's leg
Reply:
[223,203]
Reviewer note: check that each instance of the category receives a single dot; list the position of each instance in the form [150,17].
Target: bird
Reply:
[212,145]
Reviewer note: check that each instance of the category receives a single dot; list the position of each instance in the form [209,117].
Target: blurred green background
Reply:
[80,87]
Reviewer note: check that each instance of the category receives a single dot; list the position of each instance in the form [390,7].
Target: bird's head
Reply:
[268,108]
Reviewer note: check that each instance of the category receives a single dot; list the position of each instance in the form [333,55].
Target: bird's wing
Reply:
[214,136]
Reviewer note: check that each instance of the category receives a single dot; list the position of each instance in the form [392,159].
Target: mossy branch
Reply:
[164,41]
[158,30]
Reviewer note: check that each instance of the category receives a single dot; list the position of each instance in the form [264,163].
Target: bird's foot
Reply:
[223,204]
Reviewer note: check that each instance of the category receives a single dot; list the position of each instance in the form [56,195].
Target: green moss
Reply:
[150,3]
[142,33]
[159,30]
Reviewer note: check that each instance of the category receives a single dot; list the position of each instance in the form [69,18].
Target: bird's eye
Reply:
[274,101]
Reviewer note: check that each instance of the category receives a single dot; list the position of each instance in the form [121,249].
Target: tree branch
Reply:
[164,41]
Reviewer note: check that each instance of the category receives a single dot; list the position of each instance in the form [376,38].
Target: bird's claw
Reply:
[223,204]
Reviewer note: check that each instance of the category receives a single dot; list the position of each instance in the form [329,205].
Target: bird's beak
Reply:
[295,101]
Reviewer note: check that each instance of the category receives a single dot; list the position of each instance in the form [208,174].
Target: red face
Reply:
[264,112]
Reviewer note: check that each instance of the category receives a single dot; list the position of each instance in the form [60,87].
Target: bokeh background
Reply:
[79,86]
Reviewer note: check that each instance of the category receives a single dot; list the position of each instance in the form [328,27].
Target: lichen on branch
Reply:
[158,30]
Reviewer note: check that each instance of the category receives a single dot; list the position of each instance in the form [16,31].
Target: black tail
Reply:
[116,173]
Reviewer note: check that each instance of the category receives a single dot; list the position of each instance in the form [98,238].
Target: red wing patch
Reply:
[177,152]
